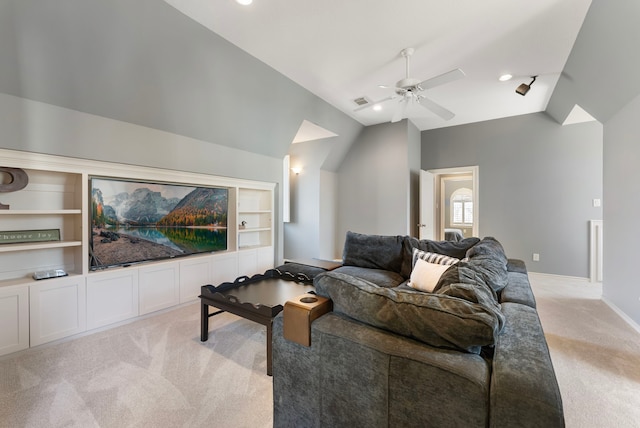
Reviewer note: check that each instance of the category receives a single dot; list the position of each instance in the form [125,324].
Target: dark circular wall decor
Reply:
[18,181]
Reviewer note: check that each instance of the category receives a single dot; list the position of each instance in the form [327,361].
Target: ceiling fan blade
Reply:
[375,103]
[435,108]
[447,77]
[401,111]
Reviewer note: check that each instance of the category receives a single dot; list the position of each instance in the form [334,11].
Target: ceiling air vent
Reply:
[362,101]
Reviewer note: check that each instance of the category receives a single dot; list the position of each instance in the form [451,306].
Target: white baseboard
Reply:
[578,279]
[622,315]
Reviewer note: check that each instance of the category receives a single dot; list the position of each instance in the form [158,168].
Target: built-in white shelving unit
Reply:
[57,197]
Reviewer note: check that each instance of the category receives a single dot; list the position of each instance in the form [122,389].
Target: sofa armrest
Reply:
[354,374]
[524,389]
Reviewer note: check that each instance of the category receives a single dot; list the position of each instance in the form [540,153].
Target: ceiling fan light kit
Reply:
[408,91]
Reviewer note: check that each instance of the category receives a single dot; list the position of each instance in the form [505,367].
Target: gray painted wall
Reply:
[312,202]
[201,104]
[414,144]
[33,126]
[621,208]
[144,62]
[537,183]
[374,183]
[601,75]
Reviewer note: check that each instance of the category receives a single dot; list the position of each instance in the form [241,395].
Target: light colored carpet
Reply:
[155,372]
[595,354]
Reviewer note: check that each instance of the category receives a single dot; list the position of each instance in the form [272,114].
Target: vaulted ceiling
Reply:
[342,50]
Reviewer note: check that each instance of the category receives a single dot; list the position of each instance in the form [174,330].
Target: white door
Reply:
[427,211]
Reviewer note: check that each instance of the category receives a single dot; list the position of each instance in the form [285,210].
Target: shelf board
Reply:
[254,229]
[26,246]
[39,212]
[252,247]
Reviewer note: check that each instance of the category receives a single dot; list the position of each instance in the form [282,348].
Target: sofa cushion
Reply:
[486,265]
[373,251]
[518,290]
[440,259]
[462,316]
[448,248]
[380,277]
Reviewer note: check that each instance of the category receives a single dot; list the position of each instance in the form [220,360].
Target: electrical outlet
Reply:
[536,257]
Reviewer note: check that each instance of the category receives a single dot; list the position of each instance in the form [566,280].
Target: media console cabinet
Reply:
[57,197]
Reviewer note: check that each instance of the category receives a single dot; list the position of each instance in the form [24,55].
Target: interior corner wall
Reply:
[311,202]
[328,215]
[621,206]
[537,183]
[373,183]
[414,149]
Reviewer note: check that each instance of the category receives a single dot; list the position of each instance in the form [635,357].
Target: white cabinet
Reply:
[57,197]
[111,297]
[57,309]
[255,260]
[51,200]
[159,286]
[255,218]
[14,319]
[213,269]
[194,273]
[224,268]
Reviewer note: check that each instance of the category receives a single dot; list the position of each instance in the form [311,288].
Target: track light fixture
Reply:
[524,88]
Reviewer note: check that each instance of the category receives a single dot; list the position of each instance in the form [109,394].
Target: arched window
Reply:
[462,207]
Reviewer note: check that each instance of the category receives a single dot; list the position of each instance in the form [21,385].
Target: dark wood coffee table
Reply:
[259,299]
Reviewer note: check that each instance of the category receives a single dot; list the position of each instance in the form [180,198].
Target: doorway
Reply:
[449,203]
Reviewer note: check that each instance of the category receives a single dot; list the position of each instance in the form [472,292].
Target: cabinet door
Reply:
[194,274]
[14,319]
[265,258]
[159,287]
[111,297]
[224,268]
[57,309]
[247,262]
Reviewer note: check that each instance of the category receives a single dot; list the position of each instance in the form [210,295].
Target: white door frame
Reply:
[438,203]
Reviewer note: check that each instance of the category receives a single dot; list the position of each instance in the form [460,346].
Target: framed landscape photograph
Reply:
[138,221]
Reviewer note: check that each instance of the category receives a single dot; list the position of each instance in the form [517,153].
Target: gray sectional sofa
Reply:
[470,353]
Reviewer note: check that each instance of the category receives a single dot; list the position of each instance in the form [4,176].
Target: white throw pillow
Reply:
[425,275]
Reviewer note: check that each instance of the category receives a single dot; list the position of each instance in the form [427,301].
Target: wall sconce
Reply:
[296,170]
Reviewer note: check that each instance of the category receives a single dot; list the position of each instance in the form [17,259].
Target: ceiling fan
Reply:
[408,91]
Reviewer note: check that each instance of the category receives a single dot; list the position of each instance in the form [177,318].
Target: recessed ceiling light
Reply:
[377,107]
[245,2]
[505,77]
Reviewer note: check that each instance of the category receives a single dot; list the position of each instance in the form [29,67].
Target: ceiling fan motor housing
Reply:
[408,83]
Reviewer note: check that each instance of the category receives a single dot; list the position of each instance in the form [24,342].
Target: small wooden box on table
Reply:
[299,313]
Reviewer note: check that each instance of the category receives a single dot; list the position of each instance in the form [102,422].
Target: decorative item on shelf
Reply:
[18,181]
[18,236]
[243,225]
